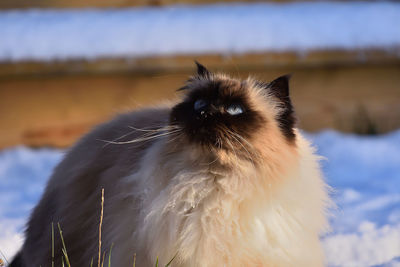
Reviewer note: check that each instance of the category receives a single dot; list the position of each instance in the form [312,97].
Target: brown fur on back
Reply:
[73,193]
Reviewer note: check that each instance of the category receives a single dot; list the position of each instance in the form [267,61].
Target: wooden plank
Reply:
[178,63]
[55,110]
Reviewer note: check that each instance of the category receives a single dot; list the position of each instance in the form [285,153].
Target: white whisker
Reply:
[143,139]
[235,137]
[167,127]
[150,131]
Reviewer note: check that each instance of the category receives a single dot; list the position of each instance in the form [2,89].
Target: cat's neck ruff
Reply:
[242,216]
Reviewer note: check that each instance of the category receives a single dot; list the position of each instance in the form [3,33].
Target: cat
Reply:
[221,178]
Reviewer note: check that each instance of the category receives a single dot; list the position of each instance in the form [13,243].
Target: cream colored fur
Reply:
[240,217]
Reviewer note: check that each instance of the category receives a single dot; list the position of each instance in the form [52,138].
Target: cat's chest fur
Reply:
[197,216]
[211,218]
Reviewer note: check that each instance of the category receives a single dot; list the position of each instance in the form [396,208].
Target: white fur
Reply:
[243,216]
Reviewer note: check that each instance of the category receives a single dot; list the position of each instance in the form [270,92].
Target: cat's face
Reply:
[219,112]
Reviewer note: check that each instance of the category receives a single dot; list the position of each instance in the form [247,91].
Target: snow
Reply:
[369,246]
[23,175]
[364,172]
[45,35]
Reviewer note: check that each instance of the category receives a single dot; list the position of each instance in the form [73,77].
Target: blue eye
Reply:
[199,104]
[234,109]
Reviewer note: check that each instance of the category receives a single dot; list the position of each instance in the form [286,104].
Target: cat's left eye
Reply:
[234,109]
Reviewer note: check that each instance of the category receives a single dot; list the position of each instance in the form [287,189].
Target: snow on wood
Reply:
[45,35]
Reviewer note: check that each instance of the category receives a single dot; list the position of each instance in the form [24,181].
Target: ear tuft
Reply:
[202,71]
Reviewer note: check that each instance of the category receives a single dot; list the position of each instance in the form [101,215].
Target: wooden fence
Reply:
[55,103]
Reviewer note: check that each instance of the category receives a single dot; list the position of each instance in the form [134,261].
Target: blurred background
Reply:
[67,65]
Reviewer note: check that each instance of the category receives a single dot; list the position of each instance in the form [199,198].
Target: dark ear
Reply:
[202,71]
[280,87]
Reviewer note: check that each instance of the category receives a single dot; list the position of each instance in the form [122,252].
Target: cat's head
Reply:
[223,113]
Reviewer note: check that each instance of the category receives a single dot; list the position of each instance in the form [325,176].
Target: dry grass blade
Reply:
[101,222]
[66,257]
[64,249]
[134,259]
[109,255]
[102,262]
[169,263]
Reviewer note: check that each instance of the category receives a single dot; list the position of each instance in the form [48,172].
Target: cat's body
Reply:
[231,187]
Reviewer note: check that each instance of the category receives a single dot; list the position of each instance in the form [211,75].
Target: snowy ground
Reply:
[237,28]
[365,172]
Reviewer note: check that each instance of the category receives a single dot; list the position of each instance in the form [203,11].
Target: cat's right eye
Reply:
[199,104]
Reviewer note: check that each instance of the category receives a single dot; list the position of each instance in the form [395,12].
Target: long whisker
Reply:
[167,127]
[150,134]
[232,147]
[241,138]
[176,137]
[226,133]
[142,139]
[254,151]
[219,143]
[209,163]
[237,141]
[235,137]
[150,131]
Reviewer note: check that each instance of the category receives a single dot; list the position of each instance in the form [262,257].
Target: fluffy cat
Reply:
[222,178]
